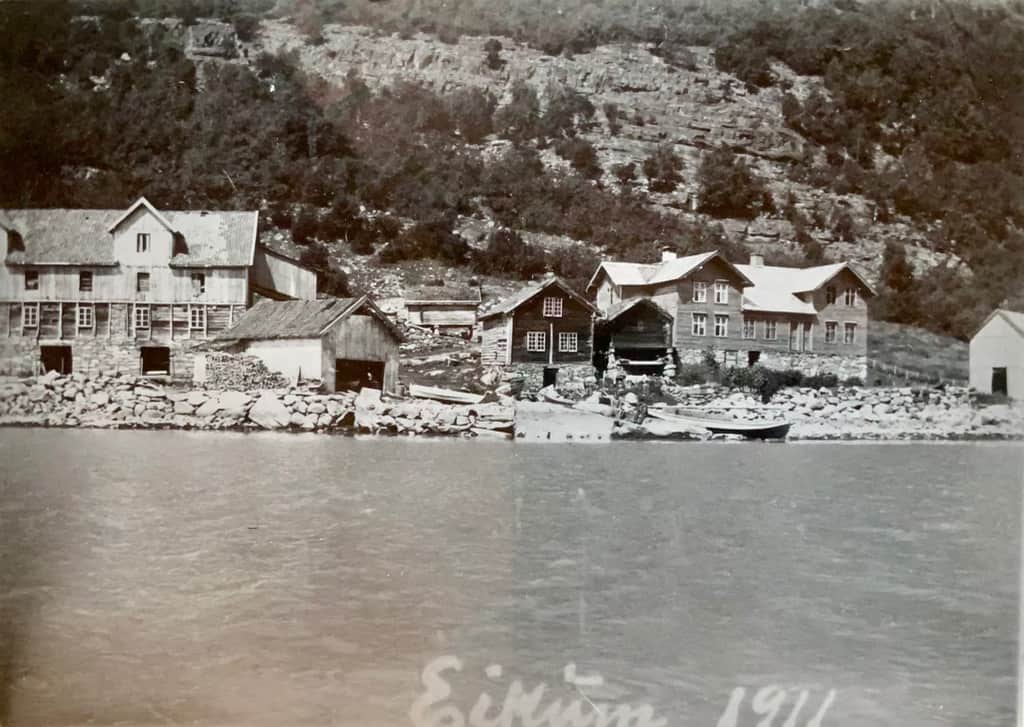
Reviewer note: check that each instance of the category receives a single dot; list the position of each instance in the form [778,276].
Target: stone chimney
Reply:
[757,261]
[667,255]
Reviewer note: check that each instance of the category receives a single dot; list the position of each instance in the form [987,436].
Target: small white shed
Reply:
[997,355]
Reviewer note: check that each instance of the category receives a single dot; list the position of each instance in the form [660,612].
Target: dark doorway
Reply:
[56,358]
[156,360]
[353,374]
[999,380]
[753,357]
[550,375]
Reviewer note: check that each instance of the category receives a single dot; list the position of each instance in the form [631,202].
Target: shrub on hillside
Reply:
[728,188]
[507,254]
[663,169]
[581,154]
[433,239]
[305,226]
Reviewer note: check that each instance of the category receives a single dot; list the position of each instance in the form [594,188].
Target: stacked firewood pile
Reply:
[240,372]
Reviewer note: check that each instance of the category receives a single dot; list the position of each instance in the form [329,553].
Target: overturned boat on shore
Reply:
[751,429]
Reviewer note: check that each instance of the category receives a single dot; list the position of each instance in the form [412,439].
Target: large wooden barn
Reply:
[347,343]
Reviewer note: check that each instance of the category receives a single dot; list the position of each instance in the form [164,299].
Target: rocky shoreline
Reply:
[131,402]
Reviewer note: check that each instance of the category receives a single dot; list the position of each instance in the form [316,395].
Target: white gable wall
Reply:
[998,344]
[161,241]
[292,357]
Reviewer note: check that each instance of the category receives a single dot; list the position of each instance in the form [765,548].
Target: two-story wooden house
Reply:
[130,290]
[812,319]
[544,328]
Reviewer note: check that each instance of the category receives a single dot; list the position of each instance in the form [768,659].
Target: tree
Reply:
[519,120]
[625,173]
[507,254]
[663,169]
[305,226]
[897,300]
[329,279]
[582,155]
[728,188]
[492,49]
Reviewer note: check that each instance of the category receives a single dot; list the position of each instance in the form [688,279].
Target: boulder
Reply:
[309,422]
[183,407]
[316,408]
[197,398]
[268,412]
[100,398]
[324,421]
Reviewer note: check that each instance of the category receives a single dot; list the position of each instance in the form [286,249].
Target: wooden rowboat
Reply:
[449,396]
[762,429]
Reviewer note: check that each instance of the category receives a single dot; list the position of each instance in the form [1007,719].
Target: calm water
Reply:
[226,579]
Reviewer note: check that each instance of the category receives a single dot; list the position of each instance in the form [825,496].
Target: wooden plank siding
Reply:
[714,271]
[361,337]
[576,318]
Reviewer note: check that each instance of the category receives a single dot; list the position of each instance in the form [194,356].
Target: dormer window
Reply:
[142,283]
[15,242]
[31,280]
[85,281]
[198,284]
[142,242]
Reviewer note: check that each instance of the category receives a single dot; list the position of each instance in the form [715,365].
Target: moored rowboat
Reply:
[751,429]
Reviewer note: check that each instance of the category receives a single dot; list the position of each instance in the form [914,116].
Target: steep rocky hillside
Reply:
[692,109]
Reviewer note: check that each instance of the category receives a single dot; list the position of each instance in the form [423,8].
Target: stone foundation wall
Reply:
[20,356]
[809,364]
[573,380]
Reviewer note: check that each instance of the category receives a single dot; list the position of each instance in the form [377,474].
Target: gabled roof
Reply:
[798,280]
[623,273]
[444,295]
[1015,319]
[776,289]
[512,302]
[279,319]
[141,202]
[624,306]
[659,273]
[84,237]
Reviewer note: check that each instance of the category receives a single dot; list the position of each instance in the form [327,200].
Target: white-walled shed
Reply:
[997,355]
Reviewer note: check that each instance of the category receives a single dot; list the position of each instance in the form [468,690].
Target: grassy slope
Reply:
[908,347]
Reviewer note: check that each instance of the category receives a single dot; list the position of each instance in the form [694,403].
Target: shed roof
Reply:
[512,302]
[444,295]
[279,319]
[1015,319]
[84,236]
[624,306]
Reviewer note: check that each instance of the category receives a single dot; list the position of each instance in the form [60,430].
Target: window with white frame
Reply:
[568,343]
[721,326]
[142,282]
[808,336]
[197,319]
[830,331]
[198,284]
[552,307]
[699,324]
[771,330]
[721,291]
[85,316]
[85,281]
[30,315]
[31,280]
[142,316]
[700,291]
[830,295]
[749,328]
[142,242]
[536,341]
[849,332]
[850,297]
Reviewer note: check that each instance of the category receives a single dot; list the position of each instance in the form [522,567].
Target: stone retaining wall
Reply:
[128,401]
